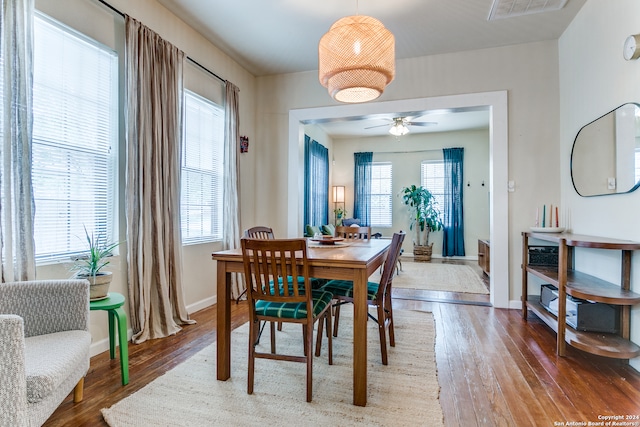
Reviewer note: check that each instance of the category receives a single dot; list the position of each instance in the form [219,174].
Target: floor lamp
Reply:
[338,198]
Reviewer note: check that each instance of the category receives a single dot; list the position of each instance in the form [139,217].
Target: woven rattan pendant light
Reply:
[356,59]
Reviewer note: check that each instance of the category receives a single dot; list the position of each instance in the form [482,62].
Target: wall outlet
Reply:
[611,183]
[511,185]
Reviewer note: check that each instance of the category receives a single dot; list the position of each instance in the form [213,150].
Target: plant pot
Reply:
[99,284]
[422,253]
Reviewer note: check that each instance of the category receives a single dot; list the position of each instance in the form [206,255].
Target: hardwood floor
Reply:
[494,369]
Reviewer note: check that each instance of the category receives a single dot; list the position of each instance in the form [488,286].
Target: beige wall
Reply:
[96,21]
[529,73]
[406,154]
[595,79]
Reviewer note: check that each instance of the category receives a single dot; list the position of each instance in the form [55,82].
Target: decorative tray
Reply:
[328,240]
[547,229]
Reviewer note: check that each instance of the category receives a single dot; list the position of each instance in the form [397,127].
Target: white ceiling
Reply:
[281,36]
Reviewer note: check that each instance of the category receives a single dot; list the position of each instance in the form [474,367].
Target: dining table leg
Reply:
[360,338]
[224,322]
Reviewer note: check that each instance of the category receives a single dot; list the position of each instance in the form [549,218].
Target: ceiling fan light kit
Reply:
[356,59]
[398,129]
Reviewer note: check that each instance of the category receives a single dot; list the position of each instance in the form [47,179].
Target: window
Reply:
[75,128]
[381,197]
[432,177]
[202,170]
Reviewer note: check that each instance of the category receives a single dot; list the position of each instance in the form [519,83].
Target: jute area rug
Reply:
[432,276]
[403,393]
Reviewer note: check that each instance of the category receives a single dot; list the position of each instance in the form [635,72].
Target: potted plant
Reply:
[89,266]
[425,218]
[339,212]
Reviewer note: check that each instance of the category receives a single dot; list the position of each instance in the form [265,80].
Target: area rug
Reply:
[437,277]
[403,393]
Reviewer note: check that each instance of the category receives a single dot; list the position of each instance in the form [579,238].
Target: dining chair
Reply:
[378,295]
[353,232]
[257,232]
[273,296]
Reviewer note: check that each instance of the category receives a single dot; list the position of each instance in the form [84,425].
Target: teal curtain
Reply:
[316,183]
[362,187]
[453,237]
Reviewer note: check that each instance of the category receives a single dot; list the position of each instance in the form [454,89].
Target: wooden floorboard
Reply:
[494,369]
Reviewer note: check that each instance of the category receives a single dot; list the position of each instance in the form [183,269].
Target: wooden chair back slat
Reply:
[259,232]
[272,268]
[353,233]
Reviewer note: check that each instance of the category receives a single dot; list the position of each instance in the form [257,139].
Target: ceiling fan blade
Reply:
[378,126]
[421,123]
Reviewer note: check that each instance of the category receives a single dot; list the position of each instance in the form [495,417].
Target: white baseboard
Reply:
[103,345]
[197,306]
[515,305]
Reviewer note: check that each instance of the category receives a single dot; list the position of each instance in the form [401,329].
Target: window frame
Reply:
[216,202]
[439,195]
[375,168]
[64,145]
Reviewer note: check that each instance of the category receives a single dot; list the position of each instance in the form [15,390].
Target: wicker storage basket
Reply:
[422,253]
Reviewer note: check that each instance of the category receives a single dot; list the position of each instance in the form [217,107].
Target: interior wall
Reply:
[529,74]
[595,79]
[406,154]
[98,22]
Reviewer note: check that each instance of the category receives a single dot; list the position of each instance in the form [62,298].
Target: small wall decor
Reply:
[244,144]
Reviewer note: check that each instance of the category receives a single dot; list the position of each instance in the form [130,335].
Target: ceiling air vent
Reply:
[509,8]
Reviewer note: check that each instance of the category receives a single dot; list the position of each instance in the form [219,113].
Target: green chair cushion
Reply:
[315,283]
[312,230]
[288,310]
[344,288]
[329,229]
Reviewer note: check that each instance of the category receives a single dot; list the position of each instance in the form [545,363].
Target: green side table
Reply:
[113,305]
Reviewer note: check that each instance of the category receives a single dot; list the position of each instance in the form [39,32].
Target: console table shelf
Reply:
[584,286]
[607,345]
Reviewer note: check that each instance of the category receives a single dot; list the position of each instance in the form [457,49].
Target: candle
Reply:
[537,217]
[550,215]
[544,214]
[557,222]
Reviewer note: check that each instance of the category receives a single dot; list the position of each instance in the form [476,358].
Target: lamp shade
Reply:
[356,59]
[338,194]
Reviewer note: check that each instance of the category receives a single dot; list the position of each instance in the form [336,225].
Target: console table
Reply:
[584,286]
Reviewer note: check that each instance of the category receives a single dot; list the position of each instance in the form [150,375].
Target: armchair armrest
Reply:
[13,387]
[47,306]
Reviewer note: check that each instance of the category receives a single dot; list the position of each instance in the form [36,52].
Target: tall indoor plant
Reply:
[425,218]
[89,266]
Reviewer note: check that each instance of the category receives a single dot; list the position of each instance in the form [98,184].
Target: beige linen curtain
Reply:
[17,209]
[231,215]
[154,111]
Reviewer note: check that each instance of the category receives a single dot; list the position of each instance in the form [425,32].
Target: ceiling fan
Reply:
[399,125]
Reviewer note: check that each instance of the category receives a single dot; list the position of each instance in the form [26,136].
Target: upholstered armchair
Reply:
[44,347]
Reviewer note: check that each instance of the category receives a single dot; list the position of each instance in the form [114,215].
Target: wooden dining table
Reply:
[354,261]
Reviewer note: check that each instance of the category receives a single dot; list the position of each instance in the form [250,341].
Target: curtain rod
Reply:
[193,61]
[407,152]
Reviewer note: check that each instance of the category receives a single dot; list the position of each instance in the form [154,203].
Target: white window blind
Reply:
[381,197]
[202,170]
[432,177]
[75,136]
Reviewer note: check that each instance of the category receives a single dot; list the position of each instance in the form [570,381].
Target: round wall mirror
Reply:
[605,158]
